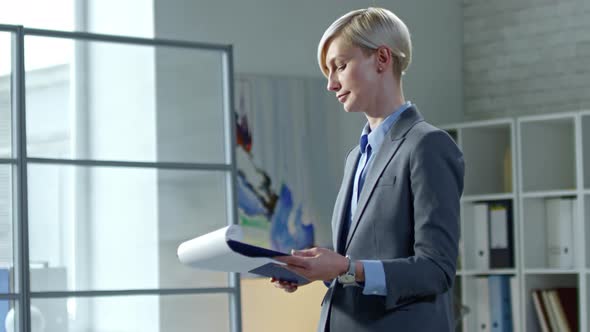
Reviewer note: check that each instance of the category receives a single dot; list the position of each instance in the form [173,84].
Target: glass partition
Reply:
[105,228]
[5,93]
[127,102]
[6,231]
[126,157]
[146,313]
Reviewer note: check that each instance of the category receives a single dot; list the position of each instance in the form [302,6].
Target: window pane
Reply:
[8,315]
[55,14]
[167,313]
[102,228]
[114,101]
[5,91]
[6,231]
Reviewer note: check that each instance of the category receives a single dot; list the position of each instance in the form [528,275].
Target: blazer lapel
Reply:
[343,201]
[387,151]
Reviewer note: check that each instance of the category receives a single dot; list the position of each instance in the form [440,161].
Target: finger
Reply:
[287,283]
[290,290]
[305,252]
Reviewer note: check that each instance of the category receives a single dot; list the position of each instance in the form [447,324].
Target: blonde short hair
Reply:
[369,29]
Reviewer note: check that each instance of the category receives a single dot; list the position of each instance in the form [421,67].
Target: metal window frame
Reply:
[20,161]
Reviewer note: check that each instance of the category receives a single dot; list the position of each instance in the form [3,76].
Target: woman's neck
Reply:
[384,108]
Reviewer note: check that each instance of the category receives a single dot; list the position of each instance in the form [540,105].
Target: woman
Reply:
[396,218]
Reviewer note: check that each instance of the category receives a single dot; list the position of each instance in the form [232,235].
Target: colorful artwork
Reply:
[270,217]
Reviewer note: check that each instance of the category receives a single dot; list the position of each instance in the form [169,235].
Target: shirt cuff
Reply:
[374,278]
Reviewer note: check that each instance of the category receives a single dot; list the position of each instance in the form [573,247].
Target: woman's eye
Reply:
[341,68]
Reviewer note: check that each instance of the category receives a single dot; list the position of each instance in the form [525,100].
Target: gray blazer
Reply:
[408,218]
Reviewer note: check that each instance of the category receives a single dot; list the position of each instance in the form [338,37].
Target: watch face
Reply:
[347,279]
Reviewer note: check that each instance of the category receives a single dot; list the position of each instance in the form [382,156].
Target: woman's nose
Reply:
[333,85]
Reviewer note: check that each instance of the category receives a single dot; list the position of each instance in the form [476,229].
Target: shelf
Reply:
[546,281]
[495,164]
[547,154]
[549,193]
[487,272]
[476,124]
[556,117]
[487,198]
[553,271]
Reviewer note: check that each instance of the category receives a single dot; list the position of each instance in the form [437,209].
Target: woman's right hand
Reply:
[287,286]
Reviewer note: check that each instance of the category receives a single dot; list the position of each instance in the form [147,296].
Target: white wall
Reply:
[279,37]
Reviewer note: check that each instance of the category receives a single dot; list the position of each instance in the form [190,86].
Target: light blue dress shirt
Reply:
[370,142]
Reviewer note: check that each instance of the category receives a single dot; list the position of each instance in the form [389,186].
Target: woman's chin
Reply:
[348,109]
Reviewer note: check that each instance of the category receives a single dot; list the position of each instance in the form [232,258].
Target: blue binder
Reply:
[500,303]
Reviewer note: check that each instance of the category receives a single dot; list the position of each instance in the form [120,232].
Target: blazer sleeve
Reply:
[436,176]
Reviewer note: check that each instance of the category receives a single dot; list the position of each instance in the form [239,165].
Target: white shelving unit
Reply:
[526,160]
[551,166]
[489,149]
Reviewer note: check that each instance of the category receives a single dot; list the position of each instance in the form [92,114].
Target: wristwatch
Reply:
[348,278]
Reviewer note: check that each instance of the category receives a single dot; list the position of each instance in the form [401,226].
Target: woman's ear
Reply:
[383,56]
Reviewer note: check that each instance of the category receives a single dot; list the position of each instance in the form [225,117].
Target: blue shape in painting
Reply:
[281,238]
[303,233]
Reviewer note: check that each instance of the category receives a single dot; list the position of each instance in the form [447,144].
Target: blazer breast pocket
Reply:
[386,180]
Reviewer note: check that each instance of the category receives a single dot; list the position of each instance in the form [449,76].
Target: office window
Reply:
[54,15]
[127,156]
[5,91]
[58,15]
[119,227]
[6,233]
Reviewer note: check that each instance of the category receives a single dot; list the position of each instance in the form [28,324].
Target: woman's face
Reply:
[352,76]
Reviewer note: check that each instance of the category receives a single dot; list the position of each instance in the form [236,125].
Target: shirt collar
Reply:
[374,137]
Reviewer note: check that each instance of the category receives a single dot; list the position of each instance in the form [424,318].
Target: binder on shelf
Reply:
[542,315]
[515,302]
[481,237]
[500,306]
[558,311]
[482,306]
[507,169]
[551,314]
[560,214]
[501,234]
[566,299]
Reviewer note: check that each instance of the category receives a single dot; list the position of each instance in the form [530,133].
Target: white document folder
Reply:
[223,250]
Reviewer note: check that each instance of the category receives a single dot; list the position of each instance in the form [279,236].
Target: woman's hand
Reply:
[314,264]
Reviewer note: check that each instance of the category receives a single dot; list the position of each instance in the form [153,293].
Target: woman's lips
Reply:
[342,97]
